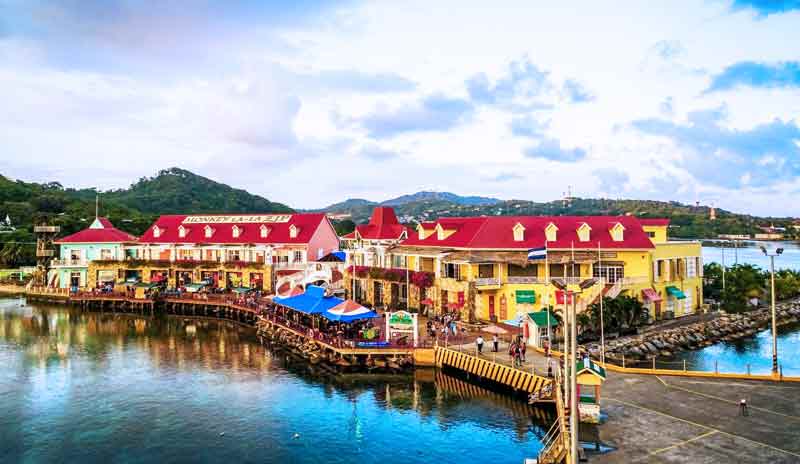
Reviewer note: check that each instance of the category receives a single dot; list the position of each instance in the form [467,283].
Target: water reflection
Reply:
[120,387]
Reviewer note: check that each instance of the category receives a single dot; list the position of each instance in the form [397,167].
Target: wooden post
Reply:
[684,365]
[623,361]
[654,363]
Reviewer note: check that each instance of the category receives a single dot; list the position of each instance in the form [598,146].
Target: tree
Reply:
[742,282]
[618,313]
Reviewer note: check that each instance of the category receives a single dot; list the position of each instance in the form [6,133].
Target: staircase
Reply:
[555,444]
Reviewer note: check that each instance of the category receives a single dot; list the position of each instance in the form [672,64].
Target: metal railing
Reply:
[526,280]
[484,281]
[69,262]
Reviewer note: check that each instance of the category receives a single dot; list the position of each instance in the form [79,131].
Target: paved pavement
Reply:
[684,419]
[534,361]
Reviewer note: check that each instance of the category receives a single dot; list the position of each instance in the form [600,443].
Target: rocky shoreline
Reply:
[725,327]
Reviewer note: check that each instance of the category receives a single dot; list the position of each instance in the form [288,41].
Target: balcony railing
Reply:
[487,281]
[526,280]
[69,262]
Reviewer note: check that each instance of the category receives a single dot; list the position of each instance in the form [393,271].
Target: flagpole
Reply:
[602,296]
[547,293]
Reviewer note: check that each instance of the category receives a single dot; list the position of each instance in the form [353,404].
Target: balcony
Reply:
[525,280]
[69,262]
[488,282]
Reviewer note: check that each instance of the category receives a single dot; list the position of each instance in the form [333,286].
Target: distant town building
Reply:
[6,227]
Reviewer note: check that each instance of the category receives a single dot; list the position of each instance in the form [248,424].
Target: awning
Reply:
[426,302]
[676,292]
[191,288]
[540,318]
[650,295]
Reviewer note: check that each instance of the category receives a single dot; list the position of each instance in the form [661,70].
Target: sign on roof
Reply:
[248,219]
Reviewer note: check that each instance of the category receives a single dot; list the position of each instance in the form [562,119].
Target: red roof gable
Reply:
[249,225]
[497,232]
[654,222]
[383,225]
[101,231]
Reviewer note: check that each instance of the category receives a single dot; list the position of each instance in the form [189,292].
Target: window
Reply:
[515,270]
[451,271]
[264,231]
[236,231]
[208,232]
[691,268]
[156,232]
[298,256]
[105,254]
[182,231]
[583,232]
[233,255]
[485,271]
[399,261]
[293,231]
[609,273]
[403,292]
[651,234]
[75,255]
[519,232]
[550,232]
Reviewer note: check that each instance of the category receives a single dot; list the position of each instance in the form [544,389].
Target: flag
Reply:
[537,253]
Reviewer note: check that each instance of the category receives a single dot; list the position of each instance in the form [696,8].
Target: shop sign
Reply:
[526,296]
[249,219]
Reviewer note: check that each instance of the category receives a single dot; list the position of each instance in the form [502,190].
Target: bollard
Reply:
[748,368]
[623,361]
[684,365]
[654,363]
[716,367]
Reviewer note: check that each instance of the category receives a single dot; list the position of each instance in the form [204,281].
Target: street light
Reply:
[570,353]
[772,256]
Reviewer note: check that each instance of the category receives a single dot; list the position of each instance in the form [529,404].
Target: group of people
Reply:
[444,326]
[516,349]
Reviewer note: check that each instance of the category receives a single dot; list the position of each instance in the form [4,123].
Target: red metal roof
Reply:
[249,232]
[101,231]
[654,221]
[497,232]
[383,225]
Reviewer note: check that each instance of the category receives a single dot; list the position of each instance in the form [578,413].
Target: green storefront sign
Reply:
[526,296]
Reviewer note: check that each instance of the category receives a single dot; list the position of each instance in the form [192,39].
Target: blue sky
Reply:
[311,102]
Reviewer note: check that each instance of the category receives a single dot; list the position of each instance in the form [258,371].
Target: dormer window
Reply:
[236,231]
[264,231]
[583,232]
[420,232]
[519,232]
[439,232]
[293,231]
[156,232]
[550,232]
[617,232]
[208,231]
[182,231]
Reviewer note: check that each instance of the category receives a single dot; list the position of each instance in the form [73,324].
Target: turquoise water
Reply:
[89,387]
[750,253]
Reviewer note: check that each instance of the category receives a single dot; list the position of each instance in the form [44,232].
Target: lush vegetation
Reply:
[619,314]
[686,221]
[744,282]
[133,210]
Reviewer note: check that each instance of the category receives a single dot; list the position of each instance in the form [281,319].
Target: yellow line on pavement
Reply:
[713,397]
[633,405]
[709,433]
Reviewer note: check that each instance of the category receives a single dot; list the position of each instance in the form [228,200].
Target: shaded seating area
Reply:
[329,318]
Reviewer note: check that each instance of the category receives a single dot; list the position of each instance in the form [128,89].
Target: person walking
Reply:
[743,407]
[523,347]
[479,343]
[495,343]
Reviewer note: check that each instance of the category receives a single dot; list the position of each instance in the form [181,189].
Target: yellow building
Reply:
[480,266]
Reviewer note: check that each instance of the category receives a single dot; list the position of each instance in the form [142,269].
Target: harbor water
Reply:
[100,388]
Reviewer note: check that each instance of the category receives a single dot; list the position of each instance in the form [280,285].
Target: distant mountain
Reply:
[177,190]
[440,196]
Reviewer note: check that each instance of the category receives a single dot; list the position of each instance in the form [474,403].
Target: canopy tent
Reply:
[242,290]
[349,311]
[676,292]
[312,301]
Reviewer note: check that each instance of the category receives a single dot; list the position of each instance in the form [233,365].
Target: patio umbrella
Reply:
[348,311]
[426,302]
[493,329]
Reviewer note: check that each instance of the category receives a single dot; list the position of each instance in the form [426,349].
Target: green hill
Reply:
[132,209]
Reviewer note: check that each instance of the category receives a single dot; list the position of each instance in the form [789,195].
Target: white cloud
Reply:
[265,98]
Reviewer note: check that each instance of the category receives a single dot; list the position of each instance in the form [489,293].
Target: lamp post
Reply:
[772,256]
[571,380]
